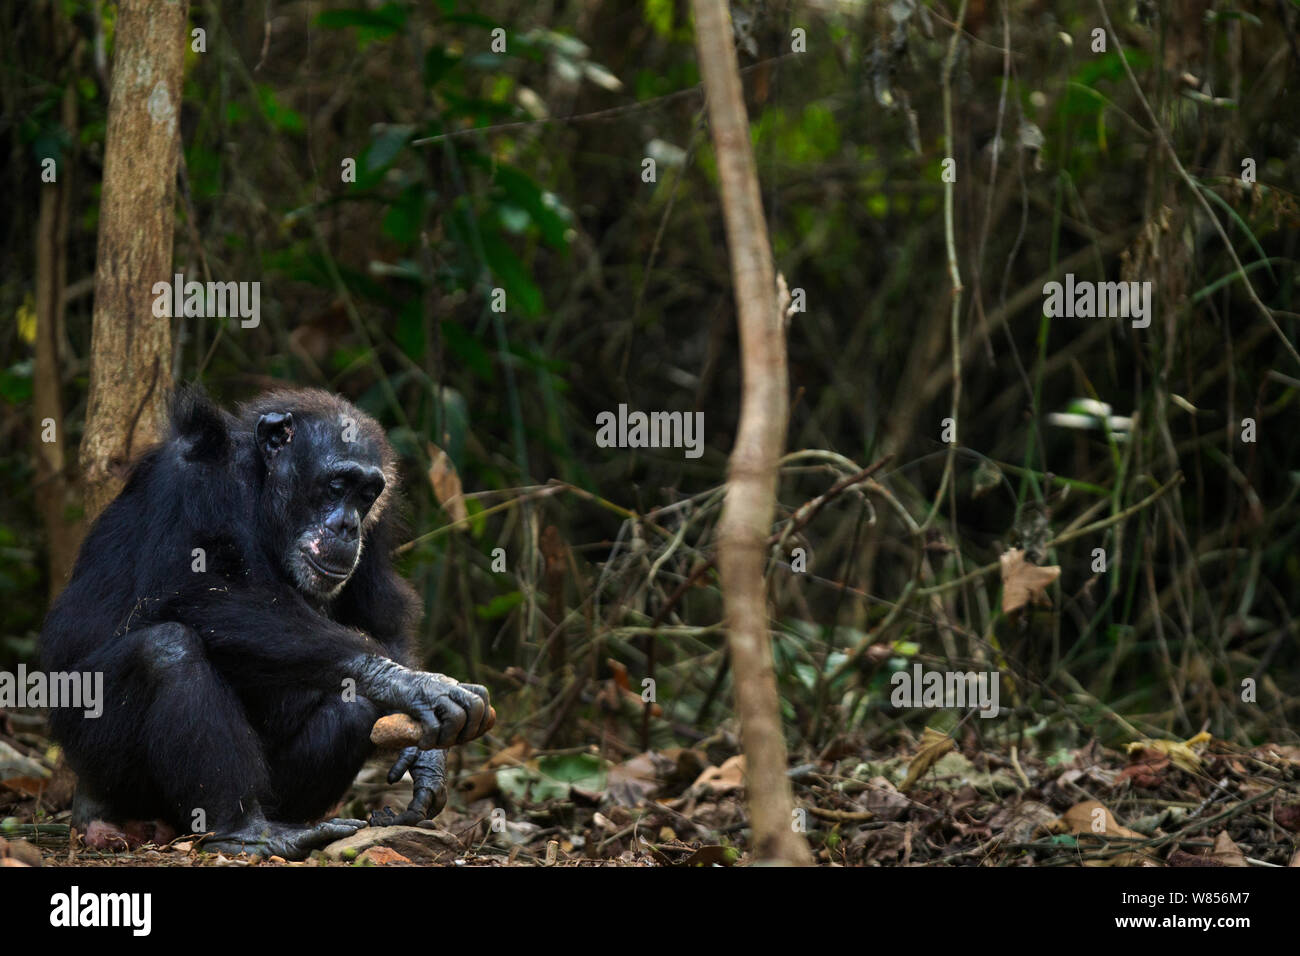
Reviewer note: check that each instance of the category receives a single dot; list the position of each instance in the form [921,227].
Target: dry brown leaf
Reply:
[1227,853]
[1146,768]
[484,782]
[933,746]
[515,754]
[1023,582]
[1287,816]
[635,779]
[1180,753]
[1022,823]
[1284,752]
[729,776]
[27,786]
[446,484]
[1081,820]
[22,851]
[1090,818]
[619,670]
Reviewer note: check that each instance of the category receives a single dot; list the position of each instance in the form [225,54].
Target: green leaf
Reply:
[468,350]
[437,64]
[282,118]
[585,771]
[513,219]
[659,14]
[807,675]
[385,146]
[499,606]
[472,20]
[405,217]
[372,24]
[551,216]
[477,523]
[552,778]
[409,333]
[521,292]
[16,383]
[515,782]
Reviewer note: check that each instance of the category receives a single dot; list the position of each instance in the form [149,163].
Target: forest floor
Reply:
[929,802]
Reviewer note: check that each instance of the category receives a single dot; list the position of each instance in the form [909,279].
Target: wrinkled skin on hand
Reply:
[428,770]
[448,711]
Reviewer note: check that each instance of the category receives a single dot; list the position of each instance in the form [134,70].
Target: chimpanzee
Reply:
[239,598]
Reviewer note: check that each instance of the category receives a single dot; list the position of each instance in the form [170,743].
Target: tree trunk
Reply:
[53,483]
[752,474]
[130,347]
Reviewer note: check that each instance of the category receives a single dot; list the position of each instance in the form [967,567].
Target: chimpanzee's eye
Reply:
[370,491]
[337,487]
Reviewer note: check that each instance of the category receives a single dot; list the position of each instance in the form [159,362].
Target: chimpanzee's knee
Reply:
[165,649]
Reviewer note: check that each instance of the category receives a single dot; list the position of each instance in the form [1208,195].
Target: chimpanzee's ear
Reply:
[274,431]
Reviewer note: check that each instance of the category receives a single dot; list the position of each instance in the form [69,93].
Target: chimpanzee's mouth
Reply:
[338,575]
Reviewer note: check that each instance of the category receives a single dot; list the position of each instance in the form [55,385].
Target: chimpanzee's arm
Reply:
[269,637]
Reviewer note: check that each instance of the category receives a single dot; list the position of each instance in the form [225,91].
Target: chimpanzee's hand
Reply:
[448,711]
[428,773]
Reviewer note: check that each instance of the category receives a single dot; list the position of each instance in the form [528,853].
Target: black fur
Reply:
[223,687]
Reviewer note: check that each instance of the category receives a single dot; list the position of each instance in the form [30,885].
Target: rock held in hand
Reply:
[398,730]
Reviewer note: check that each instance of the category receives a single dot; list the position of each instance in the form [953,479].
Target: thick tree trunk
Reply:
[130,347]
[751,482]
[53,483]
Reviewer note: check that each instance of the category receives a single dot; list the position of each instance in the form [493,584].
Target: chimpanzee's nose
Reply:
[343,523]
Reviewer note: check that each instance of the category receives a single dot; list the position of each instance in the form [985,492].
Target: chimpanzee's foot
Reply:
[106,835]
[428,770]
[388,817]
[425,805]
[100,830]
[291,841]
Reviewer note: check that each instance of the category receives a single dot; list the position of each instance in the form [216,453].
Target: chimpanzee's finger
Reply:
[403,763]
[486,718]
[475,707]
[430,726]
[453,717]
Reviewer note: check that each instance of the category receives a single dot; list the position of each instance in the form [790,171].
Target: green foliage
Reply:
[371,25]
[478,169]
[553,777]
[499,606]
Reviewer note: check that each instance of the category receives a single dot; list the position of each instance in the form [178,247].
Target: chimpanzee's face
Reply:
[324,478]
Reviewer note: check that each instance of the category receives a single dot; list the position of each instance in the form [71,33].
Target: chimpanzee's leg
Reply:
[174,742]
[312,767]
[313,759]
[171,740]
